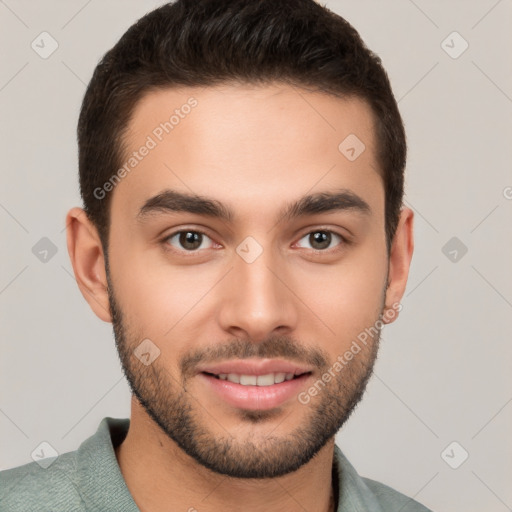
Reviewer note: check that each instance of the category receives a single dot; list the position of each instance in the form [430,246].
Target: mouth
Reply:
[255,384]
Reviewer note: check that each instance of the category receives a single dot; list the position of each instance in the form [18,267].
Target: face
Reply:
[248,251]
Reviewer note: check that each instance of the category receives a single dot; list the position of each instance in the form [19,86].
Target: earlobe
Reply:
[400,258]
[88,261]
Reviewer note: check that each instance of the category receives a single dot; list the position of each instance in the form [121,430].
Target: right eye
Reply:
[188,240]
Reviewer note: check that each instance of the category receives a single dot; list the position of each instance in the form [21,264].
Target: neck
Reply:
[158,473]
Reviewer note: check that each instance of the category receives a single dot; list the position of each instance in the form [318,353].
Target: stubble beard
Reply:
[178,414]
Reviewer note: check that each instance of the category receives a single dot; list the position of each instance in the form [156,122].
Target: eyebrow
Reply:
[170,201]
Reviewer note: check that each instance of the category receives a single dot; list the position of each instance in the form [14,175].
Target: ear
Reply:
[86,254]
[400,258]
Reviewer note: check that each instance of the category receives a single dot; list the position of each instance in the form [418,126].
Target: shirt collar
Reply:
[101,483]
[353,494]
[102,486]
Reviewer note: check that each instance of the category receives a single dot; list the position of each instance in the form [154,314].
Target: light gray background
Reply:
[443,374]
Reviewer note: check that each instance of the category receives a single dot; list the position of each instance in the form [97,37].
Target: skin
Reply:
[254,149]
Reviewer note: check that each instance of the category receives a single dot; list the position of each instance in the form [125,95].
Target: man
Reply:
[241,165]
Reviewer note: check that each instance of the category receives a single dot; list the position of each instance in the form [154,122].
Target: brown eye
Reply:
[188,240]
[321,240]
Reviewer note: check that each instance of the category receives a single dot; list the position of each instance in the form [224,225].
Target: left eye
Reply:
[189,240]
[321,240]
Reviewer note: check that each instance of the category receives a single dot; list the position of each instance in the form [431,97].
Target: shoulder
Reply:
[389,499]
[31,487]
[88,478]
[360,493]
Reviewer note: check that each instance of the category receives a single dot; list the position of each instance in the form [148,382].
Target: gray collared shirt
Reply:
[89,479]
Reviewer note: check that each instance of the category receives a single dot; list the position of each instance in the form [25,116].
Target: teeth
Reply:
[279,377]
[248,380]
[256,380]
[265,380]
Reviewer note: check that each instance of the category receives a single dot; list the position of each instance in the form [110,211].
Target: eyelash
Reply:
[344,242]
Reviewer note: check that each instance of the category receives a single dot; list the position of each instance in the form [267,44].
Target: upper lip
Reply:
[254,367]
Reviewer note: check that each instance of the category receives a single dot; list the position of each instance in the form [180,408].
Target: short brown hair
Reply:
[209,42]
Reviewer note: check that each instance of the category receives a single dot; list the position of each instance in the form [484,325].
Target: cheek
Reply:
[346,298]
[159,301]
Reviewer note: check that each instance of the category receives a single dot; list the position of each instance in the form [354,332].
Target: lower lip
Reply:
[256,398]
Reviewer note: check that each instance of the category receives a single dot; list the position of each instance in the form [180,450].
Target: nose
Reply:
[256,299]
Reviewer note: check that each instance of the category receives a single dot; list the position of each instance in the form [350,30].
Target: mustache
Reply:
[241,348]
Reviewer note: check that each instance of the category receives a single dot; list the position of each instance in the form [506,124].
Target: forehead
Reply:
[245,144]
